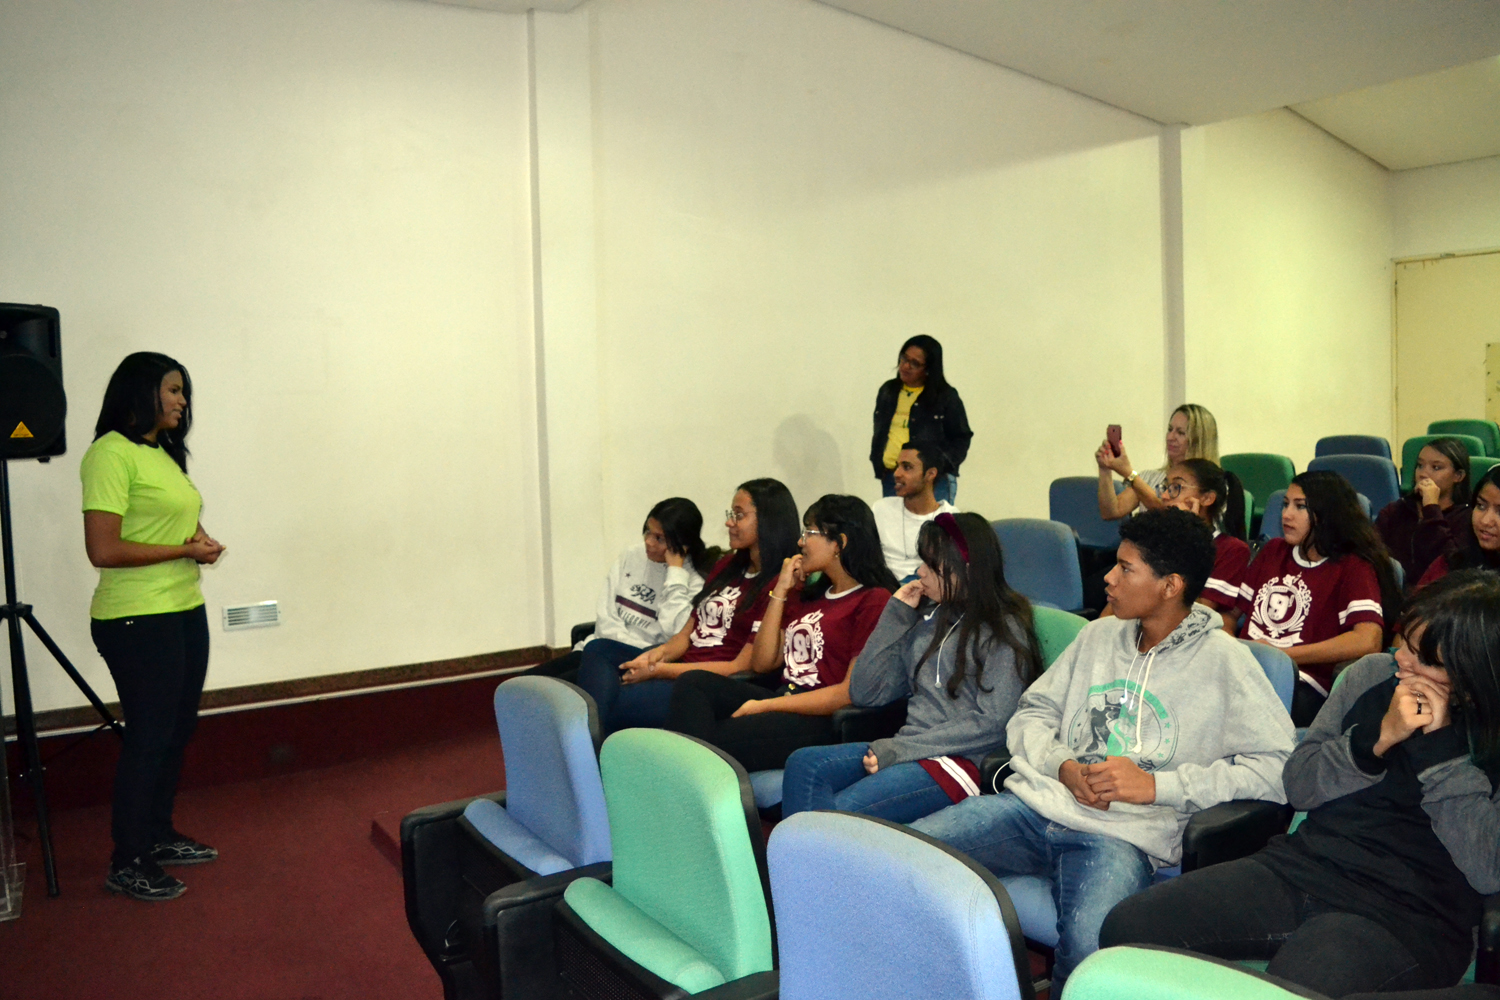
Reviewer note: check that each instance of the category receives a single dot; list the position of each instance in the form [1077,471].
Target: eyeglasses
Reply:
[1174,490]
[809,531]
[909,363]
[737,515]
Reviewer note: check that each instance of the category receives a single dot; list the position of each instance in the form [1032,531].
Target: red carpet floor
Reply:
[301,904]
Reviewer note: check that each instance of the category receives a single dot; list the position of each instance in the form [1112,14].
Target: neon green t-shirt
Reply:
[158,505]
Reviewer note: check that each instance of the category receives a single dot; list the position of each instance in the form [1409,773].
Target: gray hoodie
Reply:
[971,725]
[1212,730]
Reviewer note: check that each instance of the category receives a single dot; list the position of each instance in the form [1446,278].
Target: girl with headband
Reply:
[959,645]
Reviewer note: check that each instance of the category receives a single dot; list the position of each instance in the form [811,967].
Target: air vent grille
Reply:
[238,616]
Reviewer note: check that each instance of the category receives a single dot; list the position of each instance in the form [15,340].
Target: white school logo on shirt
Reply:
[1280,610]
[715,615]
[803,650]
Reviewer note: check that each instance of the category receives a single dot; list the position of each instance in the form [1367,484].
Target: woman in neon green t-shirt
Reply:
[141,529]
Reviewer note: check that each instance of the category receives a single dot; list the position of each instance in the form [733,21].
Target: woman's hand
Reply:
[647,667]
[1414,705]
[203,549]
[1107,459]
[909,594]
[675,558]
[871,762]
[791,576]
[755,706]
[1428,491]
[1193,505]
[1433,698]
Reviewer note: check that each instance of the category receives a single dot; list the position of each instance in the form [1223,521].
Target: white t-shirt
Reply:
[898,529]
[644,603]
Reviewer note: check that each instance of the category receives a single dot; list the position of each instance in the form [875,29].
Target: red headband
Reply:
[950,527]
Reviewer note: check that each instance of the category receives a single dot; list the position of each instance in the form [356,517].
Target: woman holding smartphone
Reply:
[1192,432]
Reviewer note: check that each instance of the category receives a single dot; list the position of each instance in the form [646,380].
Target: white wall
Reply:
[322,209]
[1287,236]
[785,193]
[1446,209]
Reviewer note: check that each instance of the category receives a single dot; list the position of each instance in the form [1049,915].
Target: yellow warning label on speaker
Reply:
[21,431]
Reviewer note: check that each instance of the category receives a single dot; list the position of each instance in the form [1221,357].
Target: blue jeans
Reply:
[621,706]
[1090,872]
[834,777]
[946,487]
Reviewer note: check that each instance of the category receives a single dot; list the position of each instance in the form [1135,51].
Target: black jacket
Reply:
[941,419]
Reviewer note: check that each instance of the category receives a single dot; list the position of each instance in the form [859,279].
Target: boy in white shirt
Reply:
[899,519]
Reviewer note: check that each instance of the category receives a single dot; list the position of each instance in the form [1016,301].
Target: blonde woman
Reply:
[1192,432]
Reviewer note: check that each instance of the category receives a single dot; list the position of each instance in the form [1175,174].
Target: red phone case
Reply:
[1114,439]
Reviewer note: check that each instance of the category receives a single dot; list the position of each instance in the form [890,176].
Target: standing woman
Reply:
[1192,432]
[141,529]
[919,403]
[1426,522]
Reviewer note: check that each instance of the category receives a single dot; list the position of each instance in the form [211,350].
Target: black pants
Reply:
[564,668]
[1306,703]
[703,703]
[1243,910]
[158,663]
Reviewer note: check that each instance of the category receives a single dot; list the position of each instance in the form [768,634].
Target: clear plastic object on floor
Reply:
[12,874]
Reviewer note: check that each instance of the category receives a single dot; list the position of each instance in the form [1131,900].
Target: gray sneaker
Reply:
[143,879]
[182,850]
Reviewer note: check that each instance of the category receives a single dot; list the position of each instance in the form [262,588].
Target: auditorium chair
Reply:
[1413,446]
[871,910]
[1041,561]
[687,910]
[1074,501]
[1262,474]
[482,875]
[1353,444]
[1370,476]
[1487,431]
[1147,972]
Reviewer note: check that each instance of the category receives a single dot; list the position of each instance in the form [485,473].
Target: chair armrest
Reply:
[516,927]
[756,986]
[990,781]
[865,725]
[1231,830]
[430,872]
[580,632]
[1487,960]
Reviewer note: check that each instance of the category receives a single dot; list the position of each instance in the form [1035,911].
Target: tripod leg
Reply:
[26,734]
[71,671]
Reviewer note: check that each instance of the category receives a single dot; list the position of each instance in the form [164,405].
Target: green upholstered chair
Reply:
[1487,431]
[1479,466]
[1413,446]
[688,908]
[1262,474]
[1055,630]
[1149,973]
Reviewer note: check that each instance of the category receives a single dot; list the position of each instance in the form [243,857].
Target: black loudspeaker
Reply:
[33,405]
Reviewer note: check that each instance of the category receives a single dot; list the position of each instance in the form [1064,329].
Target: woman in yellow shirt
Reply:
[141,529]
[919,404]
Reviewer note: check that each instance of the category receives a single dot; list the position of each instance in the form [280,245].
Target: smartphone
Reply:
[1113,436]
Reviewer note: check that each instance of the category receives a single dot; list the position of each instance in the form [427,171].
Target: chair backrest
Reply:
[688,849]
[549,736]
[1279,668]
[1132,972]
[1262,473]
[1041,561]
[1479,466]
[1371,476]
[866,908]
[1414,445]
[1055,630]
[1487,431]
[1074,501]
[1353,444]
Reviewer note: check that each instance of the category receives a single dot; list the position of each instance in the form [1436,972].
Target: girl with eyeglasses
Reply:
[811,631]
[1192,432]
[958,643]
[1479,546]
[1204,490]
[634,689]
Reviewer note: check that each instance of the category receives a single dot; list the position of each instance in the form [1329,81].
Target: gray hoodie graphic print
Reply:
[1195,711]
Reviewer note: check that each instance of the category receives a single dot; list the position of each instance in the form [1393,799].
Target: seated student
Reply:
[1200,487]
[1191,433]
[1423,524]
[1478,546]
[812,631]
[958,643]
[1148,717]
[1324,590]
[1382,885]
[919,466]
[633,688]
[648,593]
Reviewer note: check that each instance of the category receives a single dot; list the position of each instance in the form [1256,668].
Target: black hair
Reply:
[931,453]
[1174,541]
[777,530]
[1469,555]
[1338,527]
[936,383]
[979,599]
[848,521]
[132,404]
[1458,456]
[1227,512]
[682,527]
[1461,613]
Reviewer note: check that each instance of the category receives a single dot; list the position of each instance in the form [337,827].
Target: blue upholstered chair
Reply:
[1041,561]
[1373,477]
[482,875]
[1074,501]
[1353,444]
[869,910]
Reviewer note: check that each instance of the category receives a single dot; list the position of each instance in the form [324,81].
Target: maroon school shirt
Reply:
[1231,557]
[726,620]
[821,638]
